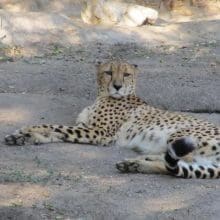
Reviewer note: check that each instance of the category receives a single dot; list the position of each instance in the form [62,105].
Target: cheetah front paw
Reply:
[14,139]
[20,139]
[128,166]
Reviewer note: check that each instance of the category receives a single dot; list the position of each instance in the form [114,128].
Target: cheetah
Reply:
[170,142]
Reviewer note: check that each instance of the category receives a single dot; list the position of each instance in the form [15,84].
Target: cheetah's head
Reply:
[116,79]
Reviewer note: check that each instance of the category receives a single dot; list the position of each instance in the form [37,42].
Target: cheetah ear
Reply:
[135,65]
[98,63]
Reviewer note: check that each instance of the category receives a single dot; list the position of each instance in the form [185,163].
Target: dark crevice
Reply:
[203,111]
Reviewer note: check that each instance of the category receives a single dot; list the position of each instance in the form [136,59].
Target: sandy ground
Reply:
[179,70]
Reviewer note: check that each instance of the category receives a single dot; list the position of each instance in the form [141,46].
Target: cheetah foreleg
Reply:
[58,133]
[34,135]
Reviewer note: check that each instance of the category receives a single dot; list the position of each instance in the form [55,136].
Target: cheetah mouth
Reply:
[116,95]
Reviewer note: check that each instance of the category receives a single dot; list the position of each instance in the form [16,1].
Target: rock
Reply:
[118,13]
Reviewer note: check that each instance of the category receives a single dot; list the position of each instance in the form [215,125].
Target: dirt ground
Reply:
[47,75]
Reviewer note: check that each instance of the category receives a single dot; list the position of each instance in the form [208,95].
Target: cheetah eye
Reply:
[126,74]
[108,73]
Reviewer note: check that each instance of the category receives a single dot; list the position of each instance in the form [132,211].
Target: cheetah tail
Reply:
[180,168]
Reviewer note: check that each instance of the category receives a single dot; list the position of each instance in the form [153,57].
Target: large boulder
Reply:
[118,13]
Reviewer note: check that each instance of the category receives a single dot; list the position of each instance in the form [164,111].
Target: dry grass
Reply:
[36,5]
[180,7]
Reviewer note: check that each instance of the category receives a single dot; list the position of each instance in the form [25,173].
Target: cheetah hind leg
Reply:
[148,165]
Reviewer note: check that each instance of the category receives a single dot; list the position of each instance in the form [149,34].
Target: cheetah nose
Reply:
[117,87]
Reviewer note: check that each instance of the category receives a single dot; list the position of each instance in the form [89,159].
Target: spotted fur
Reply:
[172,143]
